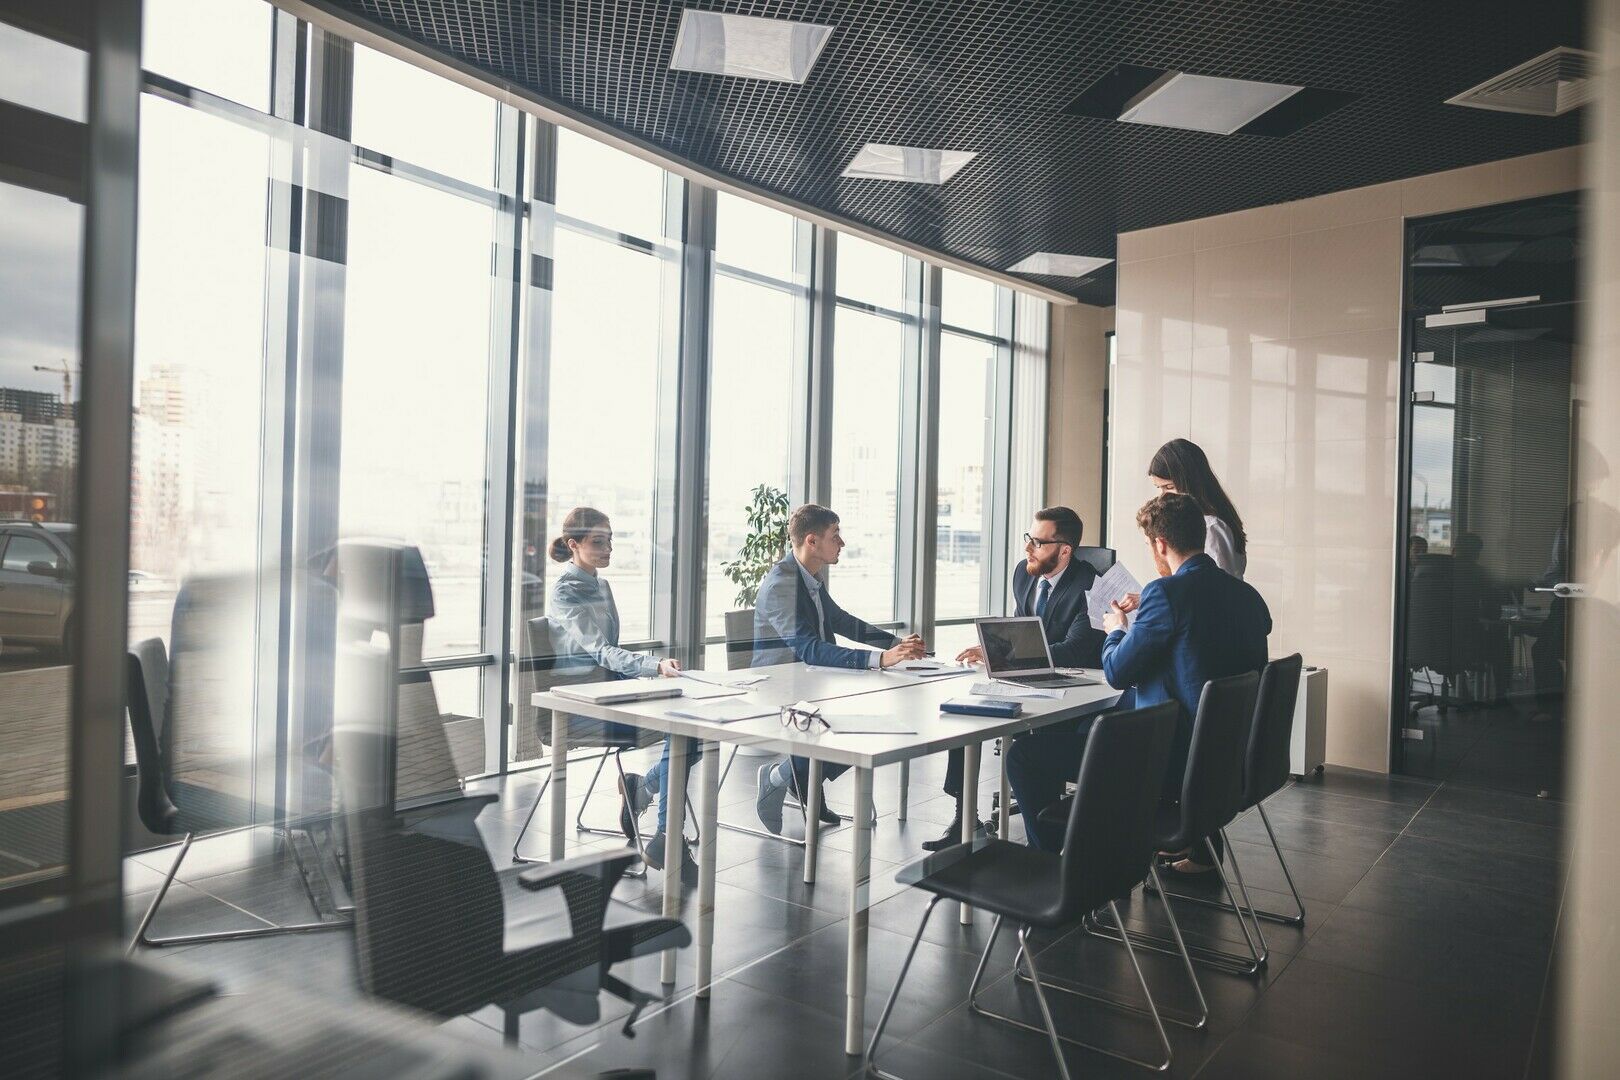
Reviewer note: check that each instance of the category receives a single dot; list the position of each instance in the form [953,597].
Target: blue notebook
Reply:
[983,707]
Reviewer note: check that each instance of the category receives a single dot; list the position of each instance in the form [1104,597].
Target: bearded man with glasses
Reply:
[1052,584]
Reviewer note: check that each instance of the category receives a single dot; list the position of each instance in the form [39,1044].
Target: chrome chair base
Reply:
[1040,985]
[1297,919]
[141,936]
[1218,959]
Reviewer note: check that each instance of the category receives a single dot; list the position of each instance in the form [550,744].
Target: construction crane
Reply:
[66,372]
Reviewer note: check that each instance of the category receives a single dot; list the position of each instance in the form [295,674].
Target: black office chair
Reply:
[171,807]
[1100,559]
[1211,792]
[437,929]
[1266,768]
[1107,851]
[554,667]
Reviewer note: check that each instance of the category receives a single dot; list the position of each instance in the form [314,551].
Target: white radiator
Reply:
[1310,723]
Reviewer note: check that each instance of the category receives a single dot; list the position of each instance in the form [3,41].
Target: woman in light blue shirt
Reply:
[581,605]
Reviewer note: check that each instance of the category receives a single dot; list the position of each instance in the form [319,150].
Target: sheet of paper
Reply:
[930,669]
[1013,690]
[724,712]
[725,678]
[1108,589]
[699,690]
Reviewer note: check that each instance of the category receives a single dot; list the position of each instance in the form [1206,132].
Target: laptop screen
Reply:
[1014,645]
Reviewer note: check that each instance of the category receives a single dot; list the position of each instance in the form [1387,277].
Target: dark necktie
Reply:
[1040,600]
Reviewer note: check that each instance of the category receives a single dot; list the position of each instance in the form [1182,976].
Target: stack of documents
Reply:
[1112,587]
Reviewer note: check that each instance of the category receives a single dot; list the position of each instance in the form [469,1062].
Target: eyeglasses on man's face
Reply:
[804,719]
[1037,542]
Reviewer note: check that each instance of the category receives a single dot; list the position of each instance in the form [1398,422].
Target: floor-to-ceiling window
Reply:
[877,323]
[758,337]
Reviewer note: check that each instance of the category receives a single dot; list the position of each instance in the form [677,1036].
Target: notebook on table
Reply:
[620,691]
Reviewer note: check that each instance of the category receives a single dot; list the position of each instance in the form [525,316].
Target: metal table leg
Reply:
[860,854]
[674,845]
[559,785]
[812,821]
[970,806]
[708,852]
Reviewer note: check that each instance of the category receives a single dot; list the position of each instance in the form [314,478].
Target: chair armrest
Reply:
[1058,812]
[606,867]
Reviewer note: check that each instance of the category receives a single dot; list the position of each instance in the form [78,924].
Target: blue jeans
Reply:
[658,773]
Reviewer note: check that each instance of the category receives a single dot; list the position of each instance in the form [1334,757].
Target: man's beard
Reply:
[1161,564]
[1035,566]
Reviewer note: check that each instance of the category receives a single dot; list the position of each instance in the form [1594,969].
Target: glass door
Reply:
[1481,630]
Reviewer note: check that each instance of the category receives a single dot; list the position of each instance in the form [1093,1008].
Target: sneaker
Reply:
[635,799]
[655,858]
[772,792]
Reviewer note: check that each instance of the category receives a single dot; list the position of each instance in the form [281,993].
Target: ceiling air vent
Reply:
[1550,85]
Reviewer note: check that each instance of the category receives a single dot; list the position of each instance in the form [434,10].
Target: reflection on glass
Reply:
[966,408]
[39,384]
[750,401]
[866,458]
[195,496]
[608,187]
[405,112]
[871,274]
[221,46]
[416,359]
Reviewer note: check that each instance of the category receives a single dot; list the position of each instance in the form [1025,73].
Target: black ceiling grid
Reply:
[996,76]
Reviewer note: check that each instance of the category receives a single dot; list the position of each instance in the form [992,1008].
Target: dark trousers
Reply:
[801,772]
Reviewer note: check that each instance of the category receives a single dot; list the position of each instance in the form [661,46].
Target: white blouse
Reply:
[1220,545]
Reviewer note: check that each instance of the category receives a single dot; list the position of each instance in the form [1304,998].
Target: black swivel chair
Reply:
[1100,559]
[1107,851]
[170,808]
[1211,793]
[437,929]
[1266,770]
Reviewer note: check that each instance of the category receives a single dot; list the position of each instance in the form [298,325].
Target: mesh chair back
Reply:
[739,639]
[1270,740]
[555,665]
[1100,559]
[148,682]
[1212,788]
[428,915]
[1109,841]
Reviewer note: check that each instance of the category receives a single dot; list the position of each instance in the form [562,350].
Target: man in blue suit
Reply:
[1052,584]
[1193,623]
[795,619]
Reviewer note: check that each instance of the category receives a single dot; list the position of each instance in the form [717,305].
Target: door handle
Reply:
[1569,590]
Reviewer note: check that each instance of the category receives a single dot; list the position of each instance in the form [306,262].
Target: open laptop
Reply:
[1015,651]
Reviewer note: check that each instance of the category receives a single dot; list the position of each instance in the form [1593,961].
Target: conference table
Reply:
[846,697]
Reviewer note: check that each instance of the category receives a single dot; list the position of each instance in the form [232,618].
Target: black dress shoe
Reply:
[828,816]
[952,836]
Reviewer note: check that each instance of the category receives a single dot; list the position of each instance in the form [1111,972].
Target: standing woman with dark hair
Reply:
[581,604]
[1181,466]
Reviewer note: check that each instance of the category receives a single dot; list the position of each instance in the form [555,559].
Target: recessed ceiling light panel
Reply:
[748,47]
[1204,102]
[910,164]
[1051,264]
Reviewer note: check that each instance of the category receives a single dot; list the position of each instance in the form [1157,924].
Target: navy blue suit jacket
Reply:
[1074,641]
[1200,623]
[786,627]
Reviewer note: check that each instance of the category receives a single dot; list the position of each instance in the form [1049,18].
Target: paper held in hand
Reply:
[1108,589]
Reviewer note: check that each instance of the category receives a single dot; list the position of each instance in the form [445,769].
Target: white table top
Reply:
[903,698]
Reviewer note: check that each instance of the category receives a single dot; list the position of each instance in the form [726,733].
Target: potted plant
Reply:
[765,545]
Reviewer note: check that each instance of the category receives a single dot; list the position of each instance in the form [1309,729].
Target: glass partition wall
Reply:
[378,307]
